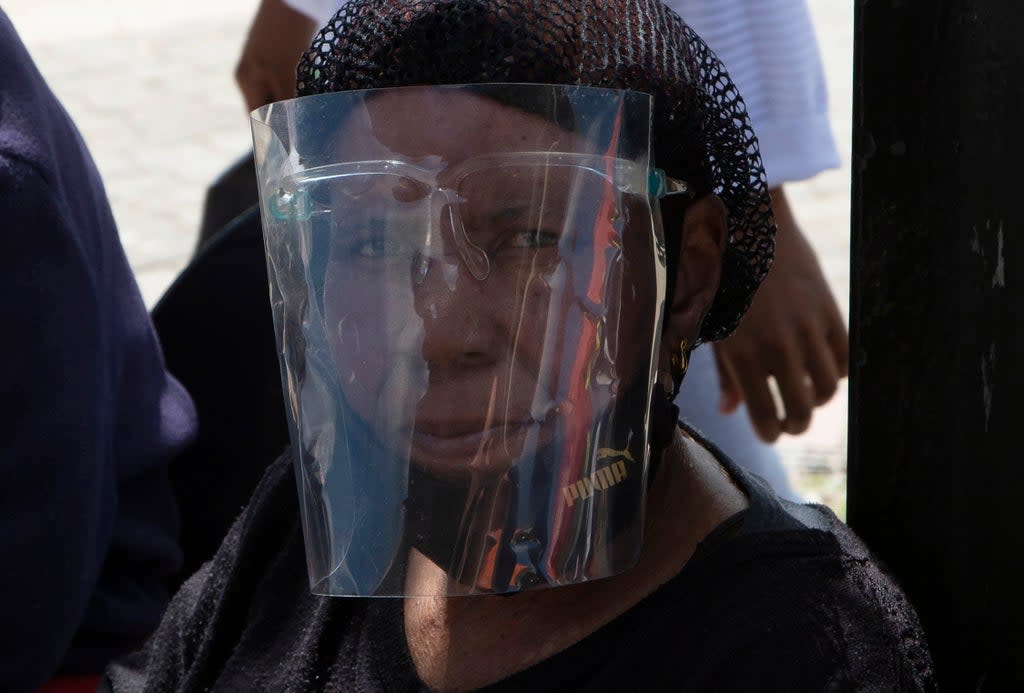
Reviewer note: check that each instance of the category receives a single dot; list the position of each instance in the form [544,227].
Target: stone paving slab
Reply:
[150,85]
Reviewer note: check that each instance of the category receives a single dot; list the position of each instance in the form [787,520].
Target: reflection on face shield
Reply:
[478,330]
[514,208]
[478,267]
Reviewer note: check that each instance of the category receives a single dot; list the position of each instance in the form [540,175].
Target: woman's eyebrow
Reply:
[508,213]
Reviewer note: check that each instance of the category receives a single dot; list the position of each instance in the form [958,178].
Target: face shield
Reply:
[467,285]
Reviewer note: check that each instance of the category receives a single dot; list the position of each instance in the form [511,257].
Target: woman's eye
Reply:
[534,238]
[380,248]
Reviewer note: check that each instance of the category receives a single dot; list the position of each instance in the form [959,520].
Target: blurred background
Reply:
[151,87]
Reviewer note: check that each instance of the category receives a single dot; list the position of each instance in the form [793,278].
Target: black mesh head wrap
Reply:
[701,130]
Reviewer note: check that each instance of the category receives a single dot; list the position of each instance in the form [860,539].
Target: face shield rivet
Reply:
[529,579]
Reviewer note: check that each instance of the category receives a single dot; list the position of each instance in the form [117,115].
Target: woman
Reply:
[470,249]
[793,332]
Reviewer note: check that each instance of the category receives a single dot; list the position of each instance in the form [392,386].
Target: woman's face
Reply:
[475,307]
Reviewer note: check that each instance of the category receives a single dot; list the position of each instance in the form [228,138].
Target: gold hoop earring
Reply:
[679,359]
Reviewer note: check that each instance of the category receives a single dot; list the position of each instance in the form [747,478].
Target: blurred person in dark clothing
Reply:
[90,419]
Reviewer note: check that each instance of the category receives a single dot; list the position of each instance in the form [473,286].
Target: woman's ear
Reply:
[698,271]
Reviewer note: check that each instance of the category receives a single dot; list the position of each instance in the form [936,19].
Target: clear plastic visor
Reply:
[466,283]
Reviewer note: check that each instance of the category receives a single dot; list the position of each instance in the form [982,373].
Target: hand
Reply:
[277,38]
[793,333]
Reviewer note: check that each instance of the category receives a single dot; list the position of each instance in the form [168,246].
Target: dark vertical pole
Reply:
[936,459]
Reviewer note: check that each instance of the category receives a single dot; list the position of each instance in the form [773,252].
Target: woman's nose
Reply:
[462,321]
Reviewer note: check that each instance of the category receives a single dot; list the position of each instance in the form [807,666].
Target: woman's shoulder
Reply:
[793,592]
[812,603]
[786,586]
[787,604]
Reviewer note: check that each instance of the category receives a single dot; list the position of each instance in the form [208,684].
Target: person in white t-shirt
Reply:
[793,333]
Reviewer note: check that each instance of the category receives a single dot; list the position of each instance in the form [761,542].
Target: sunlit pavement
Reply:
[150,85]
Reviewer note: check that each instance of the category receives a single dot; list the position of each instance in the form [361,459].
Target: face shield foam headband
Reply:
[467,297]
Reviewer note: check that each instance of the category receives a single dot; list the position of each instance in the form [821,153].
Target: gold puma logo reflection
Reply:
[605,453]
[601,480]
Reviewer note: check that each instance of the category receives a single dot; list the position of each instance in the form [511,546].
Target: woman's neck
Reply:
[467,642]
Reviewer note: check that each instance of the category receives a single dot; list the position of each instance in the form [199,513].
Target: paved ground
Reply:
[150,86]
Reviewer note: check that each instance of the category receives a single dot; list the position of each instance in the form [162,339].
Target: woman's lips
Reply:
[464,445]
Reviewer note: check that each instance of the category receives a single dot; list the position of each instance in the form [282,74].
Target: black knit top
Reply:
[781,597]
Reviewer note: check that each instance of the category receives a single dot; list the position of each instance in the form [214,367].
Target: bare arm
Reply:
[266,68]
[793,333]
